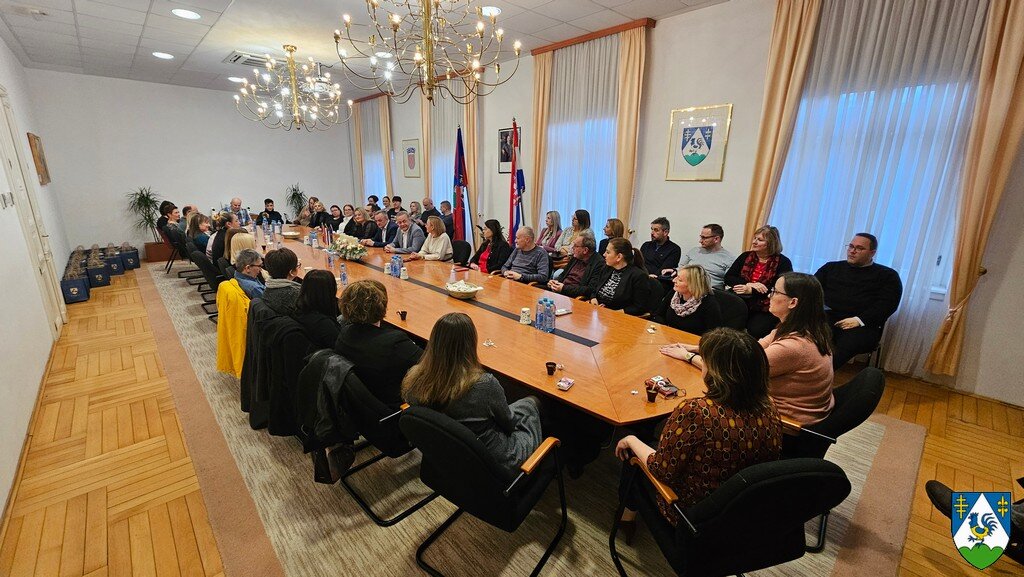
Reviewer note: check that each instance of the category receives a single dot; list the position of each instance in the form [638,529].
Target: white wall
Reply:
[105,137]
[23,331]
[405,125]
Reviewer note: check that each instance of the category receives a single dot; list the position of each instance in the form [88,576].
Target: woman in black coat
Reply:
[317,308]
[753,273]
[360,226]
[690,306]
[623,283]
[494,251]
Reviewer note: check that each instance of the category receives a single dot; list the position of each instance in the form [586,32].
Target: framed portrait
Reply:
[505,149]
[39,158]
[411,155]
[697,140]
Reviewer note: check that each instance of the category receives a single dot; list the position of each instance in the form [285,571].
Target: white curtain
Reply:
[446,116]
[374,181]
[580,153]
[879,146]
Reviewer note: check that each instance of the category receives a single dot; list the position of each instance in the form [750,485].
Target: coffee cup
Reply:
[550,367]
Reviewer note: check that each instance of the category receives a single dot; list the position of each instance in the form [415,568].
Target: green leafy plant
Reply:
[144,207]
[295,199]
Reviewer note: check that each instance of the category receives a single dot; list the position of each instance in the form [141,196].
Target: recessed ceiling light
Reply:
[163,55]
[186,14]
[236,79]
[490,11]
[383,54]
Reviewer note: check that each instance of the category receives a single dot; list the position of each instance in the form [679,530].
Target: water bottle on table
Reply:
[344,275]
[539,321]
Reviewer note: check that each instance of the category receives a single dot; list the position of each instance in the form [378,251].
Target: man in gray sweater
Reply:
[528,262]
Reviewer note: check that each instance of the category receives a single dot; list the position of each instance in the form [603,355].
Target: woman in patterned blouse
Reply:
[709,439]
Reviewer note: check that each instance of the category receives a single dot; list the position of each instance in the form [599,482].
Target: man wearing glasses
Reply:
[249,272]
[860,295]
[709,254]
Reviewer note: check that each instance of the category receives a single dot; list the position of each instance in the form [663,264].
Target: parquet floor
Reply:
[108,489]
[107,486]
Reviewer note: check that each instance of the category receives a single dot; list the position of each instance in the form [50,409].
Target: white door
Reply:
[25,202]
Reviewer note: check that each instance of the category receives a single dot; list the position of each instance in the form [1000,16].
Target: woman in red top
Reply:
[493,252]
[753,273]
[709,439]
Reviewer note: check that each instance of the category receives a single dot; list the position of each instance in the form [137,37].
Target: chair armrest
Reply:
[395,414]
[665,491]
[548,446]
[790,425]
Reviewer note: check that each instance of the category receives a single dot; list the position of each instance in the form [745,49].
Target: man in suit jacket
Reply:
[386,231]
[409,238]
[583,269]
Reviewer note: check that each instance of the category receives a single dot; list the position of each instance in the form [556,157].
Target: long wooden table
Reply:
[608,353]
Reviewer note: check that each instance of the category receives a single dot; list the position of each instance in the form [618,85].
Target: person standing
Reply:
[860,295]
[660,253]
[448,218]
[710,254]
[396,207]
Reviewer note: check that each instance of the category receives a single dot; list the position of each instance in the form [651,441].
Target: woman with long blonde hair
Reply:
[450,379]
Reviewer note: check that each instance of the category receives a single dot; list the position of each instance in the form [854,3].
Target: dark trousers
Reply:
[852,342]
[760,323]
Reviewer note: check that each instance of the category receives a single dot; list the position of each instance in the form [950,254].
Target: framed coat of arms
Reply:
[411,158]
[696,142]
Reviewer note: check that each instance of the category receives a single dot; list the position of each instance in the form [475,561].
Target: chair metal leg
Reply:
[822,529]
[366,507]
[192,273]
[213,318]
[430,540]
[615,524]
[195,280]
[206,308]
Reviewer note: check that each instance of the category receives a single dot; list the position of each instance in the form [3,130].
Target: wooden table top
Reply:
[608,353]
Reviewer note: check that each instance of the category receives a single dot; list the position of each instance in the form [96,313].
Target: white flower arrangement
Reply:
[347,247]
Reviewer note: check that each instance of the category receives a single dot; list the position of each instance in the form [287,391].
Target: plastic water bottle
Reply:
[539,321]
[330,260]
[396,266]
[344,275]
[312,239]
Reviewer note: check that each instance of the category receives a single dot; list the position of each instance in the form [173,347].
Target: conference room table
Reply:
[608,353]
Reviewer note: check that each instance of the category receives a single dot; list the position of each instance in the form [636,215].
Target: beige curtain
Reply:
[469,124]
[357,152]
[632,57]
[385,141]
[793,32]
[993,143]
[541,105]
[425,107]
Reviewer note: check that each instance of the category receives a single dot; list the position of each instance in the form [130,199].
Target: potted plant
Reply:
[144,208]
[295,199]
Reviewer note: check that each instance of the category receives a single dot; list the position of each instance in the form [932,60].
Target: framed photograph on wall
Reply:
[505,148]
[39,158]
[697,140]
[411,163]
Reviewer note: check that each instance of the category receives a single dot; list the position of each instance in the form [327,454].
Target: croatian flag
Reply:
[459,216]
[516,188]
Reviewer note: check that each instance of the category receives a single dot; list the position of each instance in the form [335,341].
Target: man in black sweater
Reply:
[860,295]
[660,253]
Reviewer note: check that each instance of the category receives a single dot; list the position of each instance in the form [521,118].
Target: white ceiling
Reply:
[116,38]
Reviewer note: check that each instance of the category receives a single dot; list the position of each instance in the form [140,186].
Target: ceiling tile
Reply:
[40,37]
[86,21]
[52,15]
[90,8]
[530,3]
[566,10]
[34,51]
[651,8]
[164,7]
[195,77]
[56,59]
[560,32]
[27,23]
[56,4]
[213,5]
[111,36]
[169,36]
[600,20]
[611,3]
[150,45]
[117,43]
[529,22]
[175,24]
[137,5]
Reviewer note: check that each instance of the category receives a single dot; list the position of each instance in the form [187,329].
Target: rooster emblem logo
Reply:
[980,525]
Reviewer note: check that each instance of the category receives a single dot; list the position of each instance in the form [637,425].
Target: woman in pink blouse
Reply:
[551,232]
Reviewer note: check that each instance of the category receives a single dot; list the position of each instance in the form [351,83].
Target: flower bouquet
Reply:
[347,247]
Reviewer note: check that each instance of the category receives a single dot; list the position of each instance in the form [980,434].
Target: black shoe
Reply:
[627,529]
[941,497]
[340,458]
[322,468]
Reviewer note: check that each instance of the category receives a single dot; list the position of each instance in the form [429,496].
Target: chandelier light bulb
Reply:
[499,33]
[347,19]
[237,98]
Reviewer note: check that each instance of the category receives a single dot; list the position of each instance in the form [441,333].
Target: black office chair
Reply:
[179,250]
[461,252]
[734,309]
[753,520]
[379,426]
[456,465]
[225,268]
[213,279]
[854,403]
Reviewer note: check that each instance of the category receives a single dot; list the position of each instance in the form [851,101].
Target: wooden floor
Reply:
[107,486]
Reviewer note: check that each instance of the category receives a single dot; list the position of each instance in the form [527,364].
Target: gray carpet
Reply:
[318,530]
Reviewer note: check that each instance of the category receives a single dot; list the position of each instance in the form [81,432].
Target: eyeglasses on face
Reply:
[774,291]
[709,237]
[856,248]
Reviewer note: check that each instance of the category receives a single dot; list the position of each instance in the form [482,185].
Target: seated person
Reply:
[528,261]
[580,223]
[242,213]
[347,212]
[409,239]
[416,212]
[449,379]
[709,254]
[860,295]
[396,207]
[228,222]
[317,307]
[660,253]
[623,282]
[690,306]
[383,233]
[697,450]
[269,215]
[582,271]
[337,218]
[198,229]
[438,245]
[302,219]
[552,231]
[236,240]
[183,221]
[360,226]
[614,228]
[381,354]
[282,292]
[248,267]
[320,216]
[166,208]
[493,251]
[753,273]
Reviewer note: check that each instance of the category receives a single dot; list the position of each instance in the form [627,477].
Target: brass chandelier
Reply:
[289,96]
[423,44]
